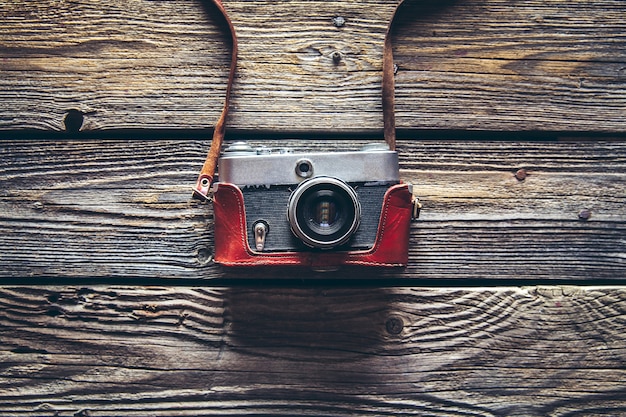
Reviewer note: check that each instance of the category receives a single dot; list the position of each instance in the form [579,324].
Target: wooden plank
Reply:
[477,64]
[99,209]
[509,66]
[120,210]
[130,351]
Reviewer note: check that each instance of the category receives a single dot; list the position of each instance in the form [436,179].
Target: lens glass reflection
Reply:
[325,210]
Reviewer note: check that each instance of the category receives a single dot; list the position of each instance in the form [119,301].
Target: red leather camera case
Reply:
[390,249]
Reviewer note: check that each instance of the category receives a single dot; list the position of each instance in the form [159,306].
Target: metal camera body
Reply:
[326,208]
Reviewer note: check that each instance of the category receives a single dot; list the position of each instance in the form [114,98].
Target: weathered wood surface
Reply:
[119,211]
[165,351]
[474,64]
[90,209]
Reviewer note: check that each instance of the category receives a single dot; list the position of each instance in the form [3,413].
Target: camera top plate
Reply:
[265,169]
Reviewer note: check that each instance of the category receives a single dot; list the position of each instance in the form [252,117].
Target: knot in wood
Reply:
[521,174]
[204,256]
[394,325]
[73,120]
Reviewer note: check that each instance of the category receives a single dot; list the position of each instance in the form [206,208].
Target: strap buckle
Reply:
[417,207]
[202,190]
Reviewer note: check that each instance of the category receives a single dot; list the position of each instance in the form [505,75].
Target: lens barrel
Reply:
[324,212]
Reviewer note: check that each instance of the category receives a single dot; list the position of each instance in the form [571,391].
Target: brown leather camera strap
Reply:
[205,179]
[389,86]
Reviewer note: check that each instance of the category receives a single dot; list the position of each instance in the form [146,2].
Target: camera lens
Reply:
[324,212]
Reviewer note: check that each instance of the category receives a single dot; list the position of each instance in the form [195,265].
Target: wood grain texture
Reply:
[477,64]
[181,351]
[98,209]
[120,211]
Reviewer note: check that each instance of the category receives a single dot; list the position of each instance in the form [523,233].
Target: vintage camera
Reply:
[324,209]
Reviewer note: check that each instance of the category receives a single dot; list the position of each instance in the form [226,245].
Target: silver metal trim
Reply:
[280,169]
